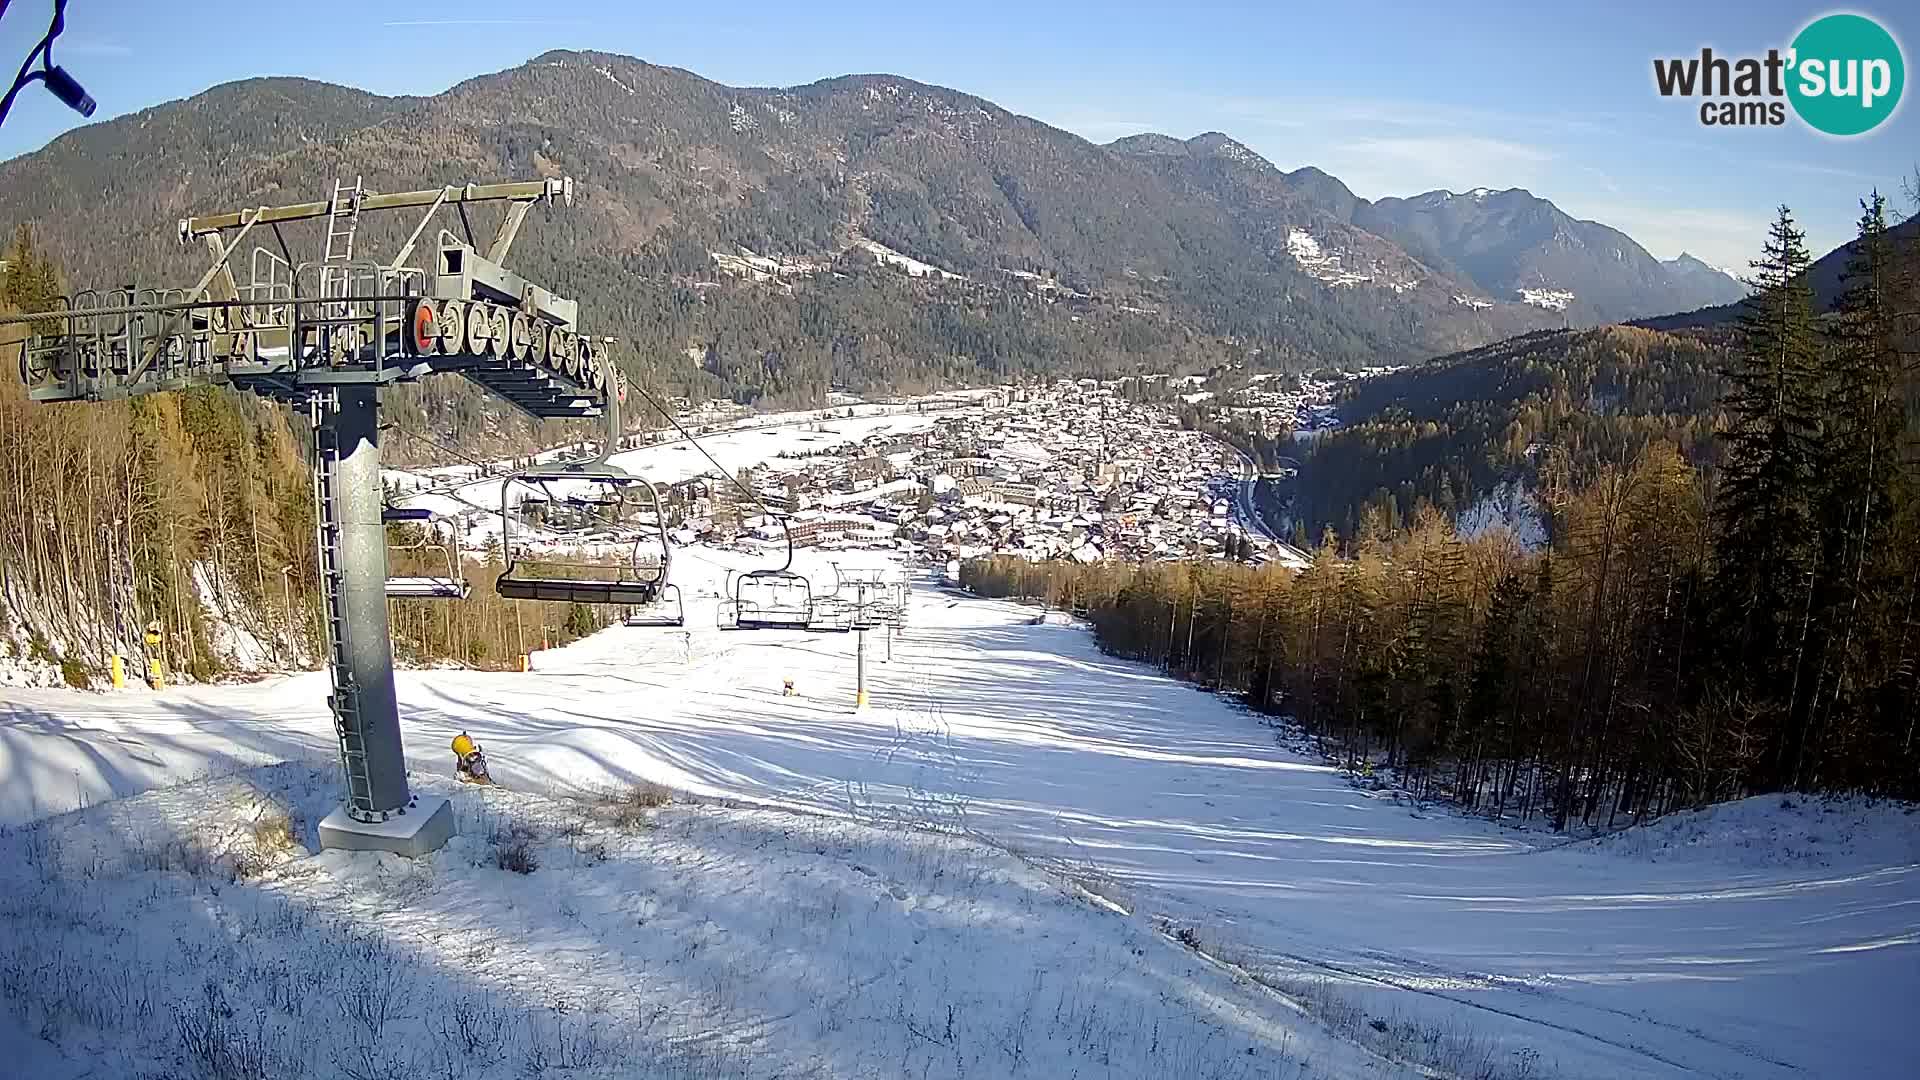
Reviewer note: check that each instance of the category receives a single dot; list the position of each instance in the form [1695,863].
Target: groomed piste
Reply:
[1207,877]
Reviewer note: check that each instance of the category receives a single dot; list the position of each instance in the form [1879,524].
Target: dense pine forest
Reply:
[1444,434]
[1724,608]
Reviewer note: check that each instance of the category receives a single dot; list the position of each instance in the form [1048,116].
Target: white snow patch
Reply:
[608,72]
[1330,267]
[748,264]
[1510,507]
[1236,152]
[17,668]
[883,254]
[1302,246]
[1551,299]
[1774,831]
[235,643]
[1474,302]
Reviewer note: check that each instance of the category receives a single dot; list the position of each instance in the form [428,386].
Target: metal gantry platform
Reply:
[324,336]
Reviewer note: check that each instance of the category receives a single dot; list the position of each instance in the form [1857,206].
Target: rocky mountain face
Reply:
[1515,245]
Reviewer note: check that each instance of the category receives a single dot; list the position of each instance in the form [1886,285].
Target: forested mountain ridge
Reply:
[1447,433]
[1020,247]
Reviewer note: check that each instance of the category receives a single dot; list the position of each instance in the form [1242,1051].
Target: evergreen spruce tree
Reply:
[1859,496]
[1767,556]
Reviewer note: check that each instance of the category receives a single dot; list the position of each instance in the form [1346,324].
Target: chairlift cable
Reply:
[754,495]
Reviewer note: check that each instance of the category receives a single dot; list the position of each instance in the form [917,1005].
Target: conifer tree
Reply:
[1767,557]
[1855,484]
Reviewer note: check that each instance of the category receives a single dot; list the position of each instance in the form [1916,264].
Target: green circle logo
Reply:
[1846,74]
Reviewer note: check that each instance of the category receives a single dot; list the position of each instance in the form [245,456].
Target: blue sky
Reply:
[1394,99]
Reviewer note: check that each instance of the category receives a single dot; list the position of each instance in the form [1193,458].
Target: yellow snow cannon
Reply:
[469,764]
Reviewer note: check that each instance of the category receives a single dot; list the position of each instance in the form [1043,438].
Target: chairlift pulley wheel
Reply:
[522,335]
[537,342]
[479,328]
[426,328]
[596,375]
[451,315]
[500,335]
[453,327]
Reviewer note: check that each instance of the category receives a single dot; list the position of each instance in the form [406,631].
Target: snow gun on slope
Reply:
[470,765]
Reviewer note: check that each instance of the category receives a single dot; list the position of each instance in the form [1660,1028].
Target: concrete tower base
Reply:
[423,828]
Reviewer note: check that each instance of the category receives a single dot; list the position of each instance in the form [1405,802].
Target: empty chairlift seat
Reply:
[769,600]
[831,614]
[665,610]
[426,587]
[638,581]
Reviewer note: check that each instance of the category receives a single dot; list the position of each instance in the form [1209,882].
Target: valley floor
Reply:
[1690,957]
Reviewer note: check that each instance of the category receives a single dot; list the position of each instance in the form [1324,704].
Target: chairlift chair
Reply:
[450,587]
[770,600]
[635,583]
[666,611]
[832,615]
[867,617]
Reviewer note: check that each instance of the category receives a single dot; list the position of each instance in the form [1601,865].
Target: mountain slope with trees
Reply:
[1058,255]
[1547,407]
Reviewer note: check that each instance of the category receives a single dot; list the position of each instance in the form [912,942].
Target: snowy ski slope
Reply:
[1606,962]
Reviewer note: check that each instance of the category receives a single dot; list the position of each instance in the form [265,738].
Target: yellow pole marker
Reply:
[156,671]
[119,668]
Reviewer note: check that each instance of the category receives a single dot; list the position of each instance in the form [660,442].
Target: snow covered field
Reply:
[187,928]
[1667,953]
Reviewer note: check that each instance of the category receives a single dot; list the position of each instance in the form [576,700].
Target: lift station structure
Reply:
[324,336]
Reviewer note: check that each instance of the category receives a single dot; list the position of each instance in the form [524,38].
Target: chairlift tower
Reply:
[324,336]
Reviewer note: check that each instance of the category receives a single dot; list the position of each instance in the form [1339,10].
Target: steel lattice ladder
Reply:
[343,218]
[344,700]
